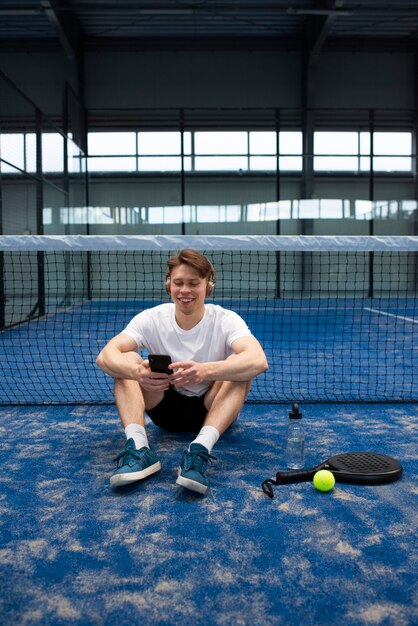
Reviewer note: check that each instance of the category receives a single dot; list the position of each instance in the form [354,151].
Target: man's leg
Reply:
[224,401]
[131,400]
[137,460]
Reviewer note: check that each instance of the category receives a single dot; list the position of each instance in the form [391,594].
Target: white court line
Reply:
[294,309]
[399,317]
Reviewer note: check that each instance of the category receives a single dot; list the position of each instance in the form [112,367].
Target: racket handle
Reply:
[299,476]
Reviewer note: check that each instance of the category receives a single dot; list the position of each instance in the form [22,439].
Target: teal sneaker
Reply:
[192,470]
[134,465]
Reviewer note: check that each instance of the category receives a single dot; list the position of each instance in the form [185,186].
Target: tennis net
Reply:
[337,316]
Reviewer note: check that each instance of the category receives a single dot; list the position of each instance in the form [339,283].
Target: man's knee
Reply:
[118,383]
[223,390]
[243,386]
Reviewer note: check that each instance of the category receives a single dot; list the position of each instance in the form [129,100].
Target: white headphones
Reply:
[209,288]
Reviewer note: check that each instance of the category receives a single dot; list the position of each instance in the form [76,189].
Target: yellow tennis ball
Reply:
[324,480]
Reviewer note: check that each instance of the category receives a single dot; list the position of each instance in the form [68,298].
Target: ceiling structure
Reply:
[186,24]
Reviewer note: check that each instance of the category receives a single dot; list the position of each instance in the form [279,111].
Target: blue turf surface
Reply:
[74,552]
[336,350]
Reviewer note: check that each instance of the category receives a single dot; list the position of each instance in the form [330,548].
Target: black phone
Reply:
[159,363]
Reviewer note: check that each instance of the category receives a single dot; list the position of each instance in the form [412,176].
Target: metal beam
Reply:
[65,23]
[319,27]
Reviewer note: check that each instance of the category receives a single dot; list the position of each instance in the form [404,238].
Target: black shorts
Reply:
[179,413]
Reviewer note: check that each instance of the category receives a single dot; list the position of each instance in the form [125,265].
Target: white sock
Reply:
[138,434]
[207,437]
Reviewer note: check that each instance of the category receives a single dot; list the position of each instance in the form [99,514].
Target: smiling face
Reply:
[188,292]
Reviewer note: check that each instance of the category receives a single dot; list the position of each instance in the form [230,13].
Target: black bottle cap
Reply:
[295,414]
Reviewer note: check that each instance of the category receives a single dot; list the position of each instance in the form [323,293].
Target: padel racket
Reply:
[363,468]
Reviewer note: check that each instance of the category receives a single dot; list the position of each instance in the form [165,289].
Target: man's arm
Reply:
[113,360]
[119,359]
[248,361]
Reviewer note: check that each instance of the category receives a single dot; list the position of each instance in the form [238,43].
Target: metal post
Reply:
[371,263]
[278,190]
[39,213]
[182,177]
[278,269]
[371,198]
[371,175]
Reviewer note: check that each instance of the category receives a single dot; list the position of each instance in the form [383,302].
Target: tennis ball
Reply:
[324,480]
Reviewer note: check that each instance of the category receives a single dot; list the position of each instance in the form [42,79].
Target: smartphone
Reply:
[159,363]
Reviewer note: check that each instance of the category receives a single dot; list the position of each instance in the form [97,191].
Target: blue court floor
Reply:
[74,552]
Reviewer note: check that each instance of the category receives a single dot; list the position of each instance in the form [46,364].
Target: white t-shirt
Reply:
[157,331]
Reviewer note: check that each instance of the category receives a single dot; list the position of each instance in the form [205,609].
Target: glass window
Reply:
[332,143]
[263,163]
[172,214]
[30,152]
[364,209]
[336,164]
[47,215]
[106,143]
[392,164]
[231,213]
[290,143]
[397,147]
[156,215]
[11,150]
[330,208]
[408,206]
[285,208]
[218,214]
[392,143]
[112,164]
[86,215]
[159,143]
[159,164]
[221,163]
[308,208]
[52,152]
[220,142]
[264,211]
[76,160]
[144,151]
[365,164]
[364,143]
[263,142]
[290,164]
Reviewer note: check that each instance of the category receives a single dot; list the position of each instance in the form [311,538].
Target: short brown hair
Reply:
[196,260]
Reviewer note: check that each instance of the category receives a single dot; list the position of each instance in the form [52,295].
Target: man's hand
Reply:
[152,381]
[187,373]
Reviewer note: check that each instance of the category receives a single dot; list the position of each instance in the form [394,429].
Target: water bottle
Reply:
[295,440]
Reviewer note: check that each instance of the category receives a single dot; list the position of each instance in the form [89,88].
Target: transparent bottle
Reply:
[295,440]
